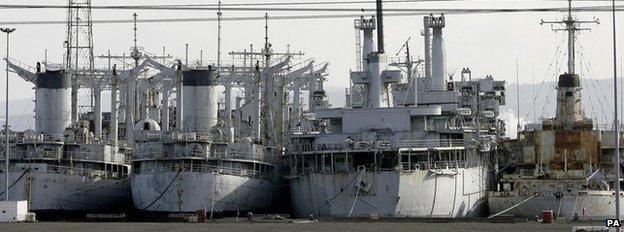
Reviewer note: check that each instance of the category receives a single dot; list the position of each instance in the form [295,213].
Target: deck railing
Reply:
[92,156]
[204,168]
[444,143]
[410,166]
[154,154]
[67,170]
[362,145]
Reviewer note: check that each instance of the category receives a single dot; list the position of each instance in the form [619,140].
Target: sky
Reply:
[489,44]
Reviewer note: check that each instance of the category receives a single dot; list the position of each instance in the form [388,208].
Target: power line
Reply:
[299,3]
[323,3]
[308,9]
[315,16]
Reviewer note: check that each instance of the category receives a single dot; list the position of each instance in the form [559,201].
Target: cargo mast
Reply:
[79,47]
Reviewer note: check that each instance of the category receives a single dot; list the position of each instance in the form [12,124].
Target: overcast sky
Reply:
[487,43]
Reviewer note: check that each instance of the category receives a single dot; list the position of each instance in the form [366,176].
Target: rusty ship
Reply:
[564,164]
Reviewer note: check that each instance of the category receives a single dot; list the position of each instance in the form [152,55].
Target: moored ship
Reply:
[60,167]
[199,166]
[564,164]
[403,147]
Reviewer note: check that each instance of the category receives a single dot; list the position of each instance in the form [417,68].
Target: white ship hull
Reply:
[591,204]
[55,191]
[192,191]
[446,193]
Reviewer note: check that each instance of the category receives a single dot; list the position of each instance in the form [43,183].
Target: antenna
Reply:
[136,54]
[218,41]
[135,28]
[266,39]
[571,26]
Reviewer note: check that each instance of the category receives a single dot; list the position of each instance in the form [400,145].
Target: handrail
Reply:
[66,170]
[359,145]
[407,143]
[191,136]
[118,158]
[156,153]
[205,168]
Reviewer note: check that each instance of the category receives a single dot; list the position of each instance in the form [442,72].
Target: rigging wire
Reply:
[21,117]
[584,85]
[592,76]
[556,56]
[594,89]
[539,91]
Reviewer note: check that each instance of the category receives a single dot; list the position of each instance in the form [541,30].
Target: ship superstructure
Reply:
[563,164]
[403,147]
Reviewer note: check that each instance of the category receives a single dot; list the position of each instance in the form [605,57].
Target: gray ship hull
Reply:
[590,205]
[446,193]
[53,190]
[191,191]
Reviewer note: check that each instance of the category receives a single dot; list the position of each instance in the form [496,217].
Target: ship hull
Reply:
[447,193]
[590,205]
[188,192]
[51,192]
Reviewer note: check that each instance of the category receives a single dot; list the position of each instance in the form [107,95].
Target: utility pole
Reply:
[616,164]
[518,126]
[186,54]
[6,116]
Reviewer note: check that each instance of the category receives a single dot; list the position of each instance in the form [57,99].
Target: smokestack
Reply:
[367,26]
[427,35]
[380,34]
[199,100]
[53,102]
[438,66]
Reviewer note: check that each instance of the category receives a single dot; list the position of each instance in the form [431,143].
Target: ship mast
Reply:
[571,29]
[571,26]
[267,114]
[569,112]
